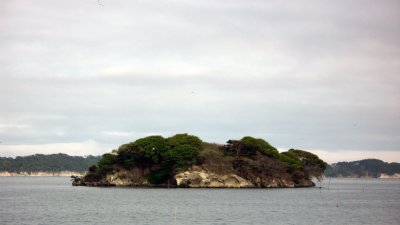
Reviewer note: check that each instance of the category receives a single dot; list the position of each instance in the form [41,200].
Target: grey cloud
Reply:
[310,74]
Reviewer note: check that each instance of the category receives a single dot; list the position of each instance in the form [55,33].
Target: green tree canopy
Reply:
[106,163]
[153,147]
[291,159]
[262,145]
[182,156]
[184,139]
[312,164]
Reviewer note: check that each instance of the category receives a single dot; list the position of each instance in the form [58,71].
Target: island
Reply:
[184,160]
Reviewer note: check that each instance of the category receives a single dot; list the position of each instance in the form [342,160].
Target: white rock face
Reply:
[205,179]
[394,176]
[127,178]
[197,177]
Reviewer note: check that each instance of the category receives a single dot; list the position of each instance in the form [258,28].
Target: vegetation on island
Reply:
[165,156]
[47,163]
[161,158]
[362,168]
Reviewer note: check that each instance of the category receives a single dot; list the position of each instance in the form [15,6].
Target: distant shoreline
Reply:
[382,176]
[40,174]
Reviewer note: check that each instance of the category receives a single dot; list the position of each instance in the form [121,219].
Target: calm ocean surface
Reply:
[52,200]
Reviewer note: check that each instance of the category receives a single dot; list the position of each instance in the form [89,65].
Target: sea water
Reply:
[52,200]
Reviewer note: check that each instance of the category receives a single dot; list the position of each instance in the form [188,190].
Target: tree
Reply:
[249,146]
[312,164]
[262,145]
[184,139]
[93,169]
[182,156]
[292,160]
[106,163]
[153,147]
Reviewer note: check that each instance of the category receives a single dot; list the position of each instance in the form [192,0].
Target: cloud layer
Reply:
[310,75]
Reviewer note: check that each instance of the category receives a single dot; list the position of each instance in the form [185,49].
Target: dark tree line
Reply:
[47,163]
[362,168]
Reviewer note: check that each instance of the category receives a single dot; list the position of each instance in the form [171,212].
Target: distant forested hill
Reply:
[47,163]
[362,168]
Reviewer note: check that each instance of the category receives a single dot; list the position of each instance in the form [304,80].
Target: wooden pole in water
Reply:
[176,208]
[329,184]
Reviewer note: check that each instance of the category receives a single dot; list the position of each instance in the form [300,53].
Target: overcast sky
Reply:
[81,78]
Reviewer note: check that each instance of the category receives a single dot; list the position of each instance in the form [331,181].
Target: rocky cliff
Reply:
[195,177]
[387,176]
